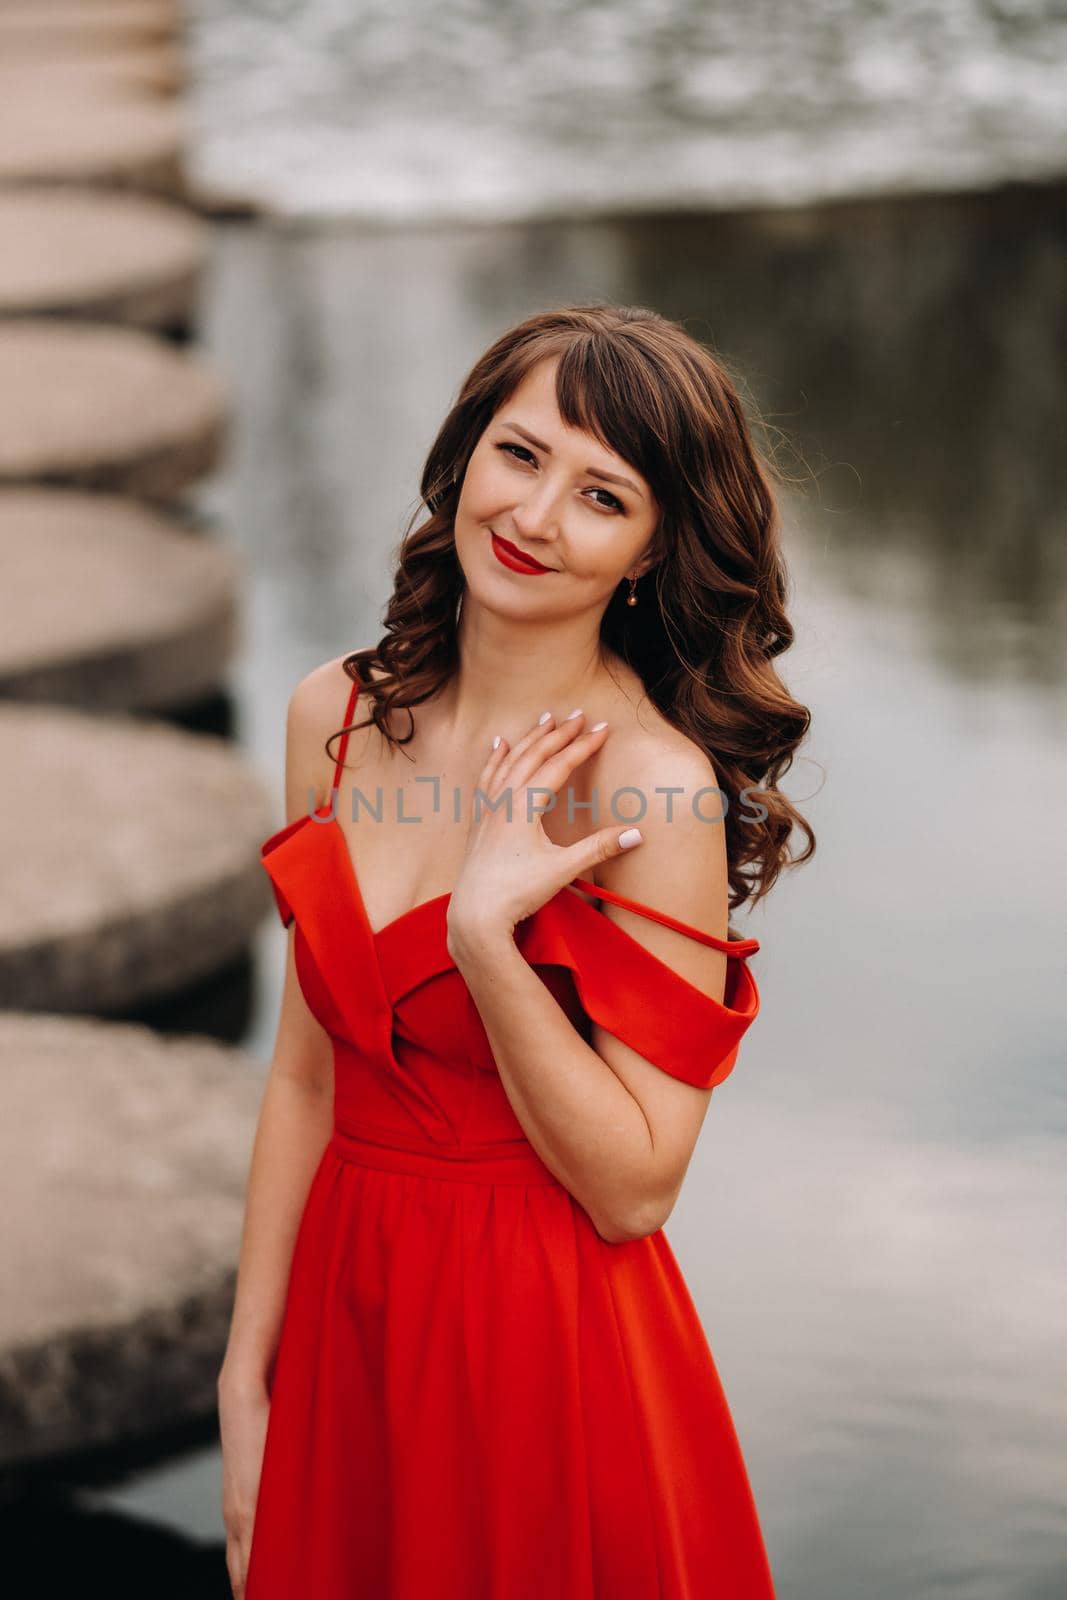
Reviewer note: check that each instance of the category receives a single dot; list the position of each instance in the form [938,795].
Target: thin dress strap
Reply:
[731,947]
[353,696]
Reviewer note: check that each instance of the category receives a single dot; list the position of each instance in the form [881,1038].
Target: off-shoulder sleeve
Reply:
[277,862]
[280,854]
[639,998]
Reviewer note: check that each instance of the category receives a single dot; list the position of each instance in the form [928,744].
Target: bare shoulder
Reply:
[319,699]
[316,710]
[654,776]
[647,753]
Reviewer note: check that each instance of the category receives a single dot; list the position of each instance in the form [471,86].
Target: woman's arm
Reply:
[295,1122]
[296,1112]
[616,1130]
[586,1127]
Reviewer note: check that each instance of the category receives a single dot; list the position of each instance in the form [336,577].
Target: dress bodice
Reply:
[411,1053]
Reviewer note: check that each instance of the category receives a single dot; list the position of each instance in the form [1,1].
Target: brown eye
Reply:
[520,451]
[618,505]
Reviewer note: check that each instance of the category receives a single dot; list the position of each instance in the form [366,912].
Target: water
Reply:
[394,110]
[872,1224]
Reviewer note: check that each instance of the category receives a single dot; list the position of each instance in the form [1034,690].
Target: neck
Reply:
[510,672]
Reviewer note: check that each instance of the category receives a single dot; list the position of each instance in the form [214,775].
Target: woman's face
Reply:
[558,496]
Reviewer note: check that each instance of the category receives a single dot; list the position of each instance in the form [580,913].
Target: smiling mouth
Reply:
[519,556]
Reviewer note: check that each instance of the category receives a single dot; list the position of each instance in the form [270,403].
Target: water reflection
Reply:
[869,1223]
[487,110]
[909,352]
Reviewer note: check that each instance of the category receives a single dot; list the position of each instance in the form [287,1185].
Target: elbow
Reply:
[638,1221]
[632,1227]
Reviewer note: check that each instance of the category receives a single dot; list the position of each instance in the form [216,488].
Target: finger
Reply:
[602,846]
[531,759]
[236,1574]
[232,1569]
[493,761]
[530,737]
[239,1576]
[504,775]
[559,764]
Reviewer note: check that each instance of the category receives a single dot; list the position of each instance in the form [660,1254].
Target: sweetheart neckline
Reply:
[733,949]
[353,873]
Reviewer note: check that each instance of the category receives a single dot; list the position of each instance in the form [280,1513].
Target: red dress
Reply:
[474,1395]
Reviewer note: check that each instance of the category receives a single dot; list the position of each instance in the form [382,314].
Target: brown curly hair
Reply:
[705,638]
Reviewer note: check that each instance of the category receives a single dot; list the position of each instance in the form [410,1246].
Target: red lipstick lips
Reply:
[510,556]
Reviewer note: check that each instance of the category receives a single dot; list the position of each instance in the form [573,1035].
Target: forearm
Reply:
[295,1122]
[582,1121]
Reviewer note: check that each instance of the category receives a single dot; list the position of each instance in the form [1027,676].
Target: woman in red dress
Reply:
[463,1361]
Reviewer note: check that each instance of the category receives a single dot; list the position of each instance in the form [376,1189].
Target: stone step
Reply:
[106,408]
[138,72]
[36,28]
[119,257]
[125,142]
[123,1164]
[107,605]
[131,866]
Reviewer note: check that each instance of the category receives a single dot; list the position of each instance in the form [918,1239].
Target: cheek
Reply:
[475,504]
[595,554]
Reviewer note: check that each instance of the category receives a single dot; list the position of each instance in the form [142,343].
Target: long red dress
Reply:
[474,1395]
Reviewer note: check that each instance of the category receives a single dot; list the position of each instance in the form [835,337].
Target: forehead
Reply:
[533,403]
[534,399]
[538,388]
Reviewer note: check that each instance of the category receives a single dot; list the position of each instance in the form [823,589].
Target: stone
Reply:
[108,605]
[135,74]
[123,1165]
[106,408]
[36,28]
[131,868]
[117,257]
[131,143]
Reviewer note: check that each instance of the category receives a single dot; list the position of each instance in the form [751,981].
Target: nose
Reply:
[535,515]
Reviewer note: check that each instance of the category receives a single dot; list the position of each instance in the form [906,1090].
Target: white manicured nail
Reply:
[631,837]
[575,713]
[544,717]
[597,727]
[496,742]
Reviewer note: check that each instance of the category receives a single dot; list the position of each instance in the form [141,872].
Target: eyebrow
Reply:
[594,472]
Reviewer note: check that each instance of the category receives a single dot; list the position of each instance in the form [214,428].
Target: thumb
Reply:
[602,846]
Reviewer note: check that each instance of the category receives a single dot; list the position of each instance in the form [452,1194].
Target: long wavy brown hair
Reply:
[711,617]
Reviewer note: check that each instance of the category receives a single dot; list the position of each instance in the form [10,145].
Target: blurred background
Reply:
[248,252]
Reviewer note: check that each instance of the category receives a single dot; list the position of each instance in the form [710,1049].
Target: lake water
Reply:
[404,109]
[872,1225]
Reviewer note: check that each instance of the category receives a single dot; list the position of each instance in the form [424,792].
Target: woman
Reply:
[463,1361]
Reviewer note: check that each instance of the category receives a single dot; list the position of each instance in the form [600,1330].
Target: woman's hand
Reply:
[511,867]
[243,1429]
